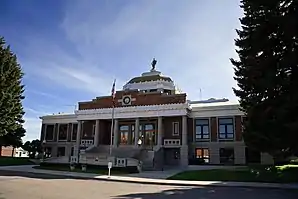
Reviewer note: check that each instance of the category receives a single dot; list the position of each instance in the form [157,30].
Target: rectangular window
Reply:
[225,128]
[201,129]
[50,132]
[175,128]
[60,151]
[149,134]
[74,132]
[62,132]
[93,129]
[124,130]
[226,155]
[203,154]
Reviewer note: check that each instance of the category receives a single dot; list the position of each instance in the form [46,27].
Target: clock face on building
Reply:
[126,100]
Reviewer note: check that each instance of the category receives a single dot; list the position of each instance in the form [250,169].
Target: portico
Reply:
[149,128]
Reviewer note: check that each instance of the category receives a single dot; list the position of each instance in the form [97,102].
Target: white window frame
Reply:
[175,131]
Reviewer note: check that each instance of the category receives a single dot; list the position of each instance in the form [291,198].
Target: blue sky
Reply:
[71,50]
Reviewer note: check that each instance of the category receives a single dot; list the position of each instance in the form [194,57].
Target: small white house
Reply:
[21,152]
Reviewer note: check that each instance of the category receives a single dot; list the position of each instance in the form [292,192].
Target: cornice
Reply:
[145,108]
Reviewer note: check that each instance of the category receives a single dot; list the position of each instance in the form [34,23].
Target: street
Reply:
[15,185]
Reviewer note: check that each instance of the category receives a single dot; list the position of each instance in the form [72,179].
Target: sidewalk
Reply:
[143,180]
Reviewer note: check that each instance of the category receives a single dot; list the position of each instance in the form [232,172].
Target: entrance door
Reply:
[172,156]
[252,156]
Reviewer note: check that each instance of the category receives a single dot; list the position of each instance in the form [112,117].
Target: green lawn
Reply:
[10,161]
[79,169]
[278,174]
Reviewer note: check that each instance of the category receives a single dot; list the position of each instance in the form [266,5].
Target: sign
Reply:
[110,164]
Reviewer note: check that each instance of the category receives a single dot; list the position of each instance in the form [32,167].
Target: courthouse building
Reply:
[154,124]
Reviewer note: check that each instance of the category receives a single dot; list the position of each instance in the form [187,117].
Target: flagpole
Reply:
[113,113]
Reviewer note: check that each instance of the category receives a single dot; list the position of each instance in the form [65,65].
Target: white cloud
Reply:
[192,40]
[33,128]
[44,94]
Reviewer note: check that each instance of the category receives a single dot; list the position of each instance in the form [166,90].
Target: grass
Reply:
[79,169]
[10,161]
[274,174]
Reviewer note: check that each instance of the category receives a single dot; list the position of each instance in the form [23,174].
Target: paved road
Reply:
[15,185]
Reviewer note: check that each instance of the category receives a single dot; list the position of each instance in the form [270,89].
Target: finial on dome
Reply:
[153,64]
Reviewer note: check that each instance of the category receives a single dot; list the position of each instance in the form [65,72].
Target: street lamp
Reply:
[43,149]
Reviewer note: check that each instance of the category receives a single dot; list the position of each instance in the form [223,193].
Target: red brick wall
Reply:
[168,127]
[141,99]
[6,151]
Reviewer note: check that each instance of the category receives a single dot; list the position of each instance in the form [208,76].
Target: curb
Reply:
[207,183]
[169,182]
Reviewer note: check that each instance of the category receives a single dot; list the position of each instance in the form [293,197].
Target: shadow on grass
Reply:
[212,193]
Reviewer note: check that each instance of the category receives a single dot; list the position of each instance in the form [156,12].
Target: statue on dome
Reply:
[153,63]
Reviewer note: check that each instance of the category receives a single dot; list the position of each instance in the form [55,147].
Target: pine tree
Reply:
[267,75]
[11,96]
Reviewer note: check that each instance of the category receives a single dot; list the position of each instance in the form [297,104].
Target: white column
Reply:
[96,135]
[184,147]
[184,130]
[137,129]
[78,139]
[115,143]
[159,133]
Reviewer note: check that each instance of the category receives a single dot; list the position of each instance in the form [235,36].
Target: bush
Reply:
[196,161]
[130,169]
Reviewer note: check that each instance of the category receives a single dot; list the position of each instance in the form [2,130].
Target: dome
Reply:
[152,81]
[150,76]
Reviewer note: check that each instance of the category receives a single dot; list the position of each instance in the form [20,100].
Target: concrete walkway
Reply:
[148,178]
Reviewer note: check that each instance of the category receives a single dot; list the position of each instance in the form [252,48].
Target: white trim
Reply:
[171,142]
[134,112]
[62,119]
[157,84]
[215,111]
[173,129]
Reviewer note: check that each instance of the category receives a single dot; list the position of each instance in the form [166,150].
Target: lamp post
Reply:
[43,149]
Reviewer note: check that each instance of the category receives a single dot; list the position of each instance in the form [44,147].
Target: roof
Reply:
[212,104]
[149,78]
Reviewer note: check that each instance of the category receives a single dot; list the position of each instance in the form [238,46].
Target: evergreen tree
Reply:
[11,96]
[267,75]
[13,139]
